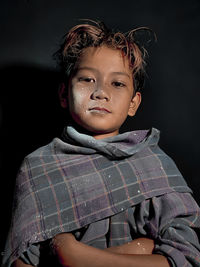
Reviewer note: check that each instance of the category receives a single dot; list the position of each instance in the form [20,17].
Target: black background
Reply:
[30,116]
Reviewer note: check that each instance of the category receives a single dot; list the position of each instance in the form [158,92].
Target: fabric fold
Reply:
[71,183]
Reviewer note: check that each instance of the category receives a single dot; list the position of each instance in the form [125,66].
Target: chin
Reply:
[99,130]
[102,131]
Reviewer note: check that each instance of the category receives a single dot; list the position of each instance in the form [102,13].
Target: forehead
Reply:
[105,57]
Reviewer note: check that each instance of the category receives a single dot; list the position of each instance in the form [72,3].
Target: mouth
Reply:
[100,110]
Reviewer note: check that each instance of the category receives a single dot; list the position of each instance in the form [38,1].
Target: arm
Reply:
[76,254]
[170,220]
[136,246]
[173,220]
[20,263]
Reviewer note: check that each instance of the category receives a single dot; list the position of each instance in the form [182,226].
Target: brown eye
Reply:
[86,79]
[118,84]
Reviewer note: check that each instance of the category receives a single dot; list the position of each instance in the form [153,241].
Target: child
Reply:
[97,197]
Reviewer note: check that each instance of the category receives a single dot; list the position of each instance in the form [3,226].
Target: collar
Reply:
[115,147]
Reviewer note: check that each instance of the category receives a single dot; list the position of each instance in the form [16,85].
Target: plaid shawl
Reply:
[78,180]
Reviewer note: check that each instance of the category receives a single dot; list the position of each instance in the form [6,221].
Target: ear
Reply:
[135,103]
[62,92]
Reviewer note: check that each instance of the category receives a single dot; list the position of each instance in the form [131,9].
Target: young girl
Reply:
[96,197]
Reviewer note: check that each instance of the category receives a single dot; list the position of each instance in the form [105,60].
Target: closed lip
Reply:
[100,109]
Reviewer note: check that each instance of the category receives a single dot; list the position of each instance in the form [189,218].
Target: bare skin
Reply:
[100,97]
[137,246]
[72,253]
[19,263]
[135,253]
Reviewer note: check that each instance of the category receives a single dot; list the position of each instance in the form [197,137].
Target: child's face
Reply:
[100,94]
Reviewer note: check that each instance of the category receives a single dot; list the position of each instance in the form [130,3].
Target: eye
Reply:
[86,79]
[118,84]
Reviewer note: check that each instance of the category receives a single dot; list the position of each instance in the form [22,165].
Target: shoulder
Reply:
[157,169]
[47,149]
[37,155]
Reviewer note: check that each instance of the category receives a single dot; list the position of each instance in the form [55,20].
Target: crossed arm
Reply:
[177,217]
[72,253]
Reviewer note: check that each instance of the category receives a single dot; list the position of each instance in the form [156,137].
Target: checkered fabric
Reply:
[77,181]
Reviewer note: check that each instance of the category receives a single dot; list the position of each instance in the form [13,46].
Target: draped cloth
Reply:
[78,180]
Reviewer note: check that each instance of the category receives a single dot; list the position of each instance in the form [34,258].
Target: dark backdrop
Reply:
[30,31]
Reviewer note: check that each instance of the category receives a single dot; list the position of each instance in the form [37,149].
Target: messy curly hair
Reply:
[96,34]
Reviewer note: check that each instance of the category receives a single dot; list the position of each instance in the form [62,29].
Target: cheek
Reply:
[124,103]
[79,97]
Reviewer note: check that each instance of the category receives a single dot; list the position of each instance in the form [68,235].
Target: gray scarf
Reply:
[76,181]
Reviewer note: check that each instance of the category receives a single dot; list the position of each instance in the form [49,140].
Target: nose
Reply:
[100,93]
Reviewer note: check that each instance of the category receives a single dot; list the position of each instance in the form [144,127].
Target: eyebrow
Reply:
[95,70]
[121,73]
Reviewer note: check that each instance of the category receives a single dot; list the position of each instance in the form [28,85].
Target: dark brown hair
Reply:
[96,34]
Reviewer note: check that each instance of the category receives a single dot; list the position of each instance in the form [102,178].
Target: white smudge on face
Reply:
[78,98]
[79,95]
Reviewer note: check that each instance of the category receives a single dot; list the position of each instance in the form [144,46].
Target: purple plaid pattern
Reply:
[168,219]
[65,186]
